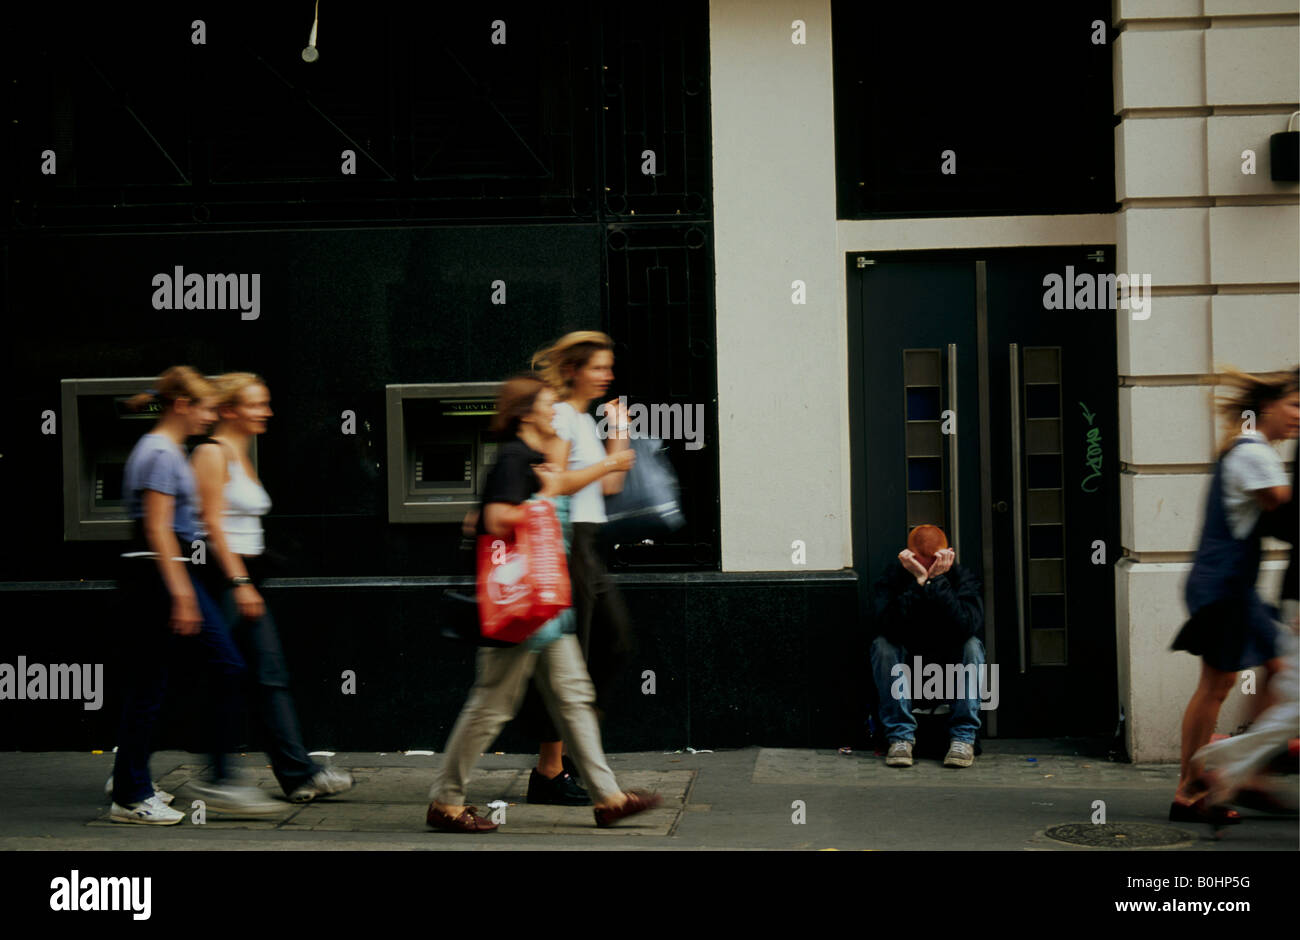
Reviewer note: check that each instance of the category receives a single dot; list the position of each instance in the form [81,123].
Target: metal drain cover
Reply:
[1119,835]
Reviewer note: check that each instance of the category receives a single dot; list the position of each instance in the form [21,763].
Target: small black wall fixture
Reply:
[1284,154]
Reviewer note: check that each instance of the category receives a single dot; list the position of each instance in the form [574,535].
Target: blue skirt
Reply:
[1231,634]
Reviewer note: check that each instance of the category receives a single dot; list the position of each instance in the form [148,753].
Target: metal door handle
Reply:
[954,522]
[1017,507]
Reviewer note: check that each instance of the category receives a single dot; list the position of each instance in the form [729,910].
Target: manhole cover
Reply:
[1119,835]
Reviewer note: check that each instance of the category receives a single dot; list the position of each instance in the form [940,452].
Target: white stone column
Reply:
[782,366]
[1197,82]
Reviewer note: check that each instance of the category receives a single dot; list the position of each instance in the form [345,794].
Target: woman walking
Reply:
[524,419]
[1230,628]
[1235,768]
[579,369]
[169,606]
[234,502]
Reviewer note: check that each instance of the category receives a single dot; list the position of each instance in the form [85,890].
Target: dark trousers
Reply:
[260,642]
[149,651]
[603,626]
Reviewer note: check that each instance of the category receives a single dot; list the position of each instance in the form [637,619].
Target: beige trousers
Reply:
[503,674]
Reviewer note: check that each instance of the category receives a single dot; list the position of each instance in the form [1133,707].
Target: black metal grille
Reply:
[151,129]
[475,152]
[660,303]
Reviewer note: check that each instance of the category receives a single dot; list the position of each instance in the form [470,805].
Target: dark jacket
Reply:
[936,619]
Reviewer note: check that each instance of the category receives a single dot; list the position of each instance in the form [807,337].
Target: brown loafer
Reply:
[638,801]
[465,822]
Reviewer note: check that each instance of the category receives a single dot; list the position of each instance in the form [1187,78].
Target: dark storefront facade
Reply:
[828,229]
[498,201]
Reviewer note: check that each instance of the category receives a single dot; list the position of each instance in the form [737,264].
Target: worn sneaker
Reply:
[161,795]
[960,754]
[900,754]
[236,800]
[325,782]
[150,812]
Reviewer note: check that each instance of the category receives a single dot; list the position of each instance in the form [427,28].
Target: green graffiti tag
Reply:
[1094,452]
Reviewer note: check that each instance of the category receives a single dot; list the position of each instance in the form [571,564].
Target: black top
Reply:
[511,479]
[936,619]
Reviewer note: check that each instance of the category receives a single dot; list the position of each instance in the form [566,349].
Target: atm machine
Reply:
[98,434]
[439,451]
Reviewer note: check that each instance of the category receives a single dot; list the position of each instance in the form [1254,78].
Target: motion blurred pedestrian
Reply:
[524,421]
[234,501]
[1230,627]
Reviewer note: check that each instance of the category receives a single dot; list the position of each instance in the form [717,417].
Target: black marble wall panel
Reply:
[343,313]
[737,660]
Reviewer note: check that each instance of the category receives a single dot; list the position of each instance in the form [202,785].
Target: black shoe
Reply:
[562,790]
[571,768]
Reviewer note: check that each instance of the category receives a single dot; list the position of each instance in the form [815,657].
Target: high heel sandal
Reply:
[1216,815]
[1201,810]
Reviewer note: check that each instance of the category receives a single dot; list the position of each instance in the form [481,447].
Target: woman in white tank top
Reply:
[580,368]
[234,502]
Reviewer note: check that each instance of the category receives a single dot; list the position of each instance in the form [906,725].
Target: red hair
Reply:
[926,541]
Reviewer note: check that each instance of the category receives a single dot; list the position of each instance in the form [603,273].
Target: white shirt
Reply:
[1252,466]
[585,449]
[246,503]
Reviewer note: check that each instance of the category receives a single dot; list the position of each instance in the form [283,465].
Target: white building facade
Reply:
[1196,84]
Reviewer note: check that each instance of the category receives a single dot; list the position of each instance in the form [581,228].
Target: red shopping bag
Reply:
[523,579]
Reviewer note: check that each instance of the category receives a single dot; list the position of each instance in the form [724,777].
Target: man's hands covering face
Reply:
[943,562]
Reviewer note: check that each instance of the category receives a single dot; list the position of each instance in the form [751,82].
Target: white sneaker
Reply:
[325,782]
[161,795]
[236,800]
[960,754]
[150,812]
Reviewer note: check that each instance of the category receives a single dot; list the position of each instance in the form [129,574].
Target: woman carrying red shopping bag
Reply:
[525,410]
[523,580]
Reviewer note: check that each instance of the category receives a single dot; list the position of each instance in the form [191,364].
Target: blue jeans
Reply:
[260,640]
[150,649]
[896,694]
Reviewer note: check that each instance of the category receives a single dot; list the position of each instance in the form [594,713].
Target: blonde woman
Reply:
[234,502]
[1230,628]
[579,369]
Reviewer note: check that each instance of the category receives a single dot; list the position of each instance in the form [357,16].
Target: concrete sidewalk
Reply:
[743,799]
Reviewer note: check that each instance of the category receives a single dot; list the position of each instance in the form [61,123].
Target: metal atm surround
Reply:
[94,508]
[415,496]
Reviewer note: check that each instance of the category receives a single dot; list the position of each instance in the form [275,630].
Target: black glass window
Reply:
[973,109]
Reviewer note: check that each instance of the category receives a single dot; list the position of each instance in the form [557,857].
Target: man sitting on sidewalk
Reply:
[928,608]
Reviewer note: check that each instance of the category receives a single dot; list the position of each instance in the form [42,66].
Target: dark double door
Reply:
[976,409]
